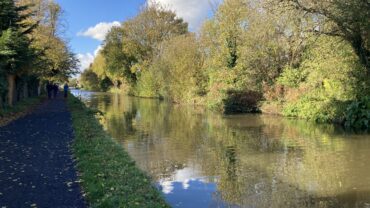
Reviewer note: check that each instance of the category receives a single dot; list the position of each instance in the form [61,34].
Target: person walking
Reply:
[49,88]
[66,87]
[55,90]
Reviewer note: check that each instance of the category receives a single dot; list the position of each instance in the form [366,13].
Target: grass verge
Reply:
[21,108]
[109,176]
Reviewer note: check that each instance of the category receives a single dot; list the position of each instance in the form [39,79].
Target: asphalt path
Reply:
[37,168]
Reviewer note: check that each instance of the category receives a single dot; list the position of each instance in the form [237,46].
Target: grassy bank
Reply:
[109,176]
[21,108]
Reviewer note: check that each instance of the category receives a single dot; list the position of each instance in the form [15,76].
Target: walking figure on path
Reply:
[66,90]
[49,88]
[55,90]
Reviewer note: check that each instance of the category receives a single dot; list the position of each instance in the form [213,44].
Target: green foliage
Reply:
[327,80]
[89,80]
[31,48]
[357,114]
[118,63]
[176,72]
[105,83]
[15,51]
[5,44]
[179,65]
[220,82]
[73,82]
[149,28]
[247,49]
[10,15]
[291,77]
[109,176]
[20,108]
[99,65]
[150,83]
[316,110]
[339,18]
[136,41]
[99,68]
[331,65]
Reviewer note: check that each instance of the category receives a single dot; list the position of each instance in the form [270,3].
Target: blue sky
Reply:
[83,14]
[89,20]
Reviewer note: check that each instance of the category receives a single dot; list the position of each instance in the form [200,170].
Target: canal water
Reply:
[198,158]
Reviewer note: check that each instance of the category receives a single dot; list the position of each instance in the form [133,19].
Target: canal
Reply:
[199,158]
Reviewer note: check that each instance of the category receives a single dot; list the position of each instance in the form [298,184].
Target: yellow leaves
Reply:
[69,184]
[99,65]
[138,67]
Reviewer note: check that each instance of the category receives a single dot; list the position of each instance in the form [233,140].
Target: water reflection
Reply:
[202,159]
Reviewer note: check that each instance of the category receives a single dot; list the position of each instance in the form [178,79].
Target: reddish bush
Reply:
[274,92]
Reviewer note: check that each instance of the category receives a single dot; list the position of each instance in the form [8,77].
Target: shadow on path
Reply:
[36,163]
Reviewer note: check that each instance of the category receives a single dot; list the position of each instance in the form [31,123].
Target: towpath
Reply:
[37,168]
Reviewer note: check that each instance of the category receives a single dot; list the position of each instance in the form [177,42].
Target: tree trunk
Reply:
[11,90]
[39,88]
[115,83]
[25,90]
[362,52]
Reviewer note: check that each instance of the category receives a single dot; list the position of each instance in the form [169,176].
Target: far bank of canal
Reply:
[202,159]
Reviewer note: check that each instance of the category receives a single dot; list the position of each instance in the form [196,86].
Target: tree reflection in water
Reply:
[239,160]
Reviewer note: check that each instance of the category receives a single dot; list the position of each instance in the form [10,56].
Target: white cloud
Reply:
[99,31]
[167,186]
[97,50]
[192,11]
[85,60]
[88,58]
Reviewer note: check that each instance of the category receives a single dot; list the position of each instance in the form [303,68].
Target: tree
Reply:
[222,35]
[128,49]
[89,80]
[56,61]
[118,62]
[31,48]
[249,51]
[341,18]
[15,51]
[99,65]
[153,25]
[100,69]
[176,72]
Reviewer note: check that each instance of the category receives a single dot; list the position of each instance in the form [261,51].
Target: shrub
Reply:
[321,111]
[242,101]
[357,114]
[273,92]
[105,84]
[90,80]
[149,83]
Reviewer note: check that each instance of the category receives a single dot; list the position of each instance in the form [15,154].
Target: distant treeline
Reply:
[307,59]
[32,49]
